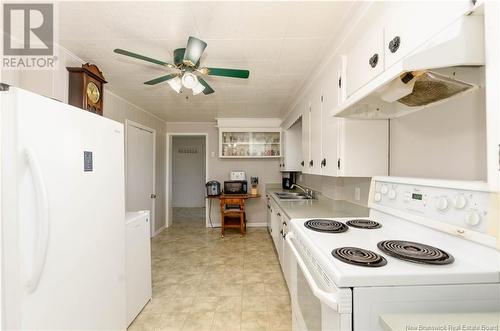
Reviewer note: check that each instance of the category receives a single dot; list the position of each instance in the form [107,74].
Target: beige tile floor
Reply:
[202,282]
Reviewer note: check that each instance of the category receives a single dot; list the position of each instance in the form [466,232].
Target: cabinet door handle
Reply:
[302,163]
[311,163]
[279,214]
[373,60]
[323,163]
[284,223]
[340,82]
[394,44]
[338,164]
[281,232]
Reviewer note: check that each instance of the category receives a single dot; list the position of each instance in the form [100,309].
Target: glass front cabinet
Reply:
[249,143]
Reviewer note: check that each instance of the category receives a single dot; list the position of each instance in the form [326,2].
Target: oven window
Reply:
[309,304]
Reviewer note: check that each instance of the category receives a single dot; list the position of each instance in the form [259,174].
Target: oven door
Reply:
[317,304]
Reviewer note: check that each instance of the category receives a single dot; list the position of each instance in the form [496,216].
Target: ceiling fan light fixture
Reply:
[175,83]
[198,88]
[189,80]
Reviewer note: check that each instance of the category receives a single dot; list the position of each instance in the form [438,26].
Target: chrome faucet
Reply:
[309,193]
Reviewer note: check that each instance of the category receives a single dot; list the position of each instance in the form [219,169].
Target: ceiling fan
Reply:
[187,62]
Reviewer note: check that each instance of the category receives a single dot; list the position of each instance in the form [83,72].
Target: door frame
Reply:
[168,172]
[153,202]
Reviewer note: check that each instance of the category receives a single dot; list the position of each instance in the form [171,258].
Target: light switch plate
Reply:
[237,175]
[357,193]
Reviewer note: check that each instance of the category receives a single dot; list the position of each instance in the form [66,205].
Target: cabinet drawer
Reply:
[365,61]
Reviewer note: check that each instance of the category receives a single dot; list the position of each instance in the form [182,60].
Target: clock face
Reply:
[93,92]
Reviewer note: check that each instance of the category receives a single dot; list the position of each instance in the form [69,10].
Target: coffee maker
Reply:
[288,179]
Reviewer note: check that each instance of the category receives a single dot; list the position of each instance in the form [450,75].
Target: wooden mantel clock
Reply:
[86,88]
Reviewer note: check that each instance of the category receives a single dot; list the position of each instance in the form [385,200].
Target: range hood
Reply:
[445,66]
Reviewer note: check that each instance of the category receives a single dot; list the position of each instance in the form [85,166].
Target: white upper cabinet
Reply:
[292,148]
[365,60]
[408,24]
[314,162]
[306,156]
[333,91]
[363,148]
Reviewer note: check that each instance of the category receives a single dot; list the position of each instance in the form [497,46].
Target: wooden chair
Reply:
[232,212]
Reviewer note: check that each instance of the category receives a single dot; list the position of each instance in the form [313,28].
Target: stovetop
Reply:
[340,255]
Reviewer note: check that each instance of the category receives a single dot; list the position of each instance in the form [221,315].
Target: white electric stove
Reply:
[428,246]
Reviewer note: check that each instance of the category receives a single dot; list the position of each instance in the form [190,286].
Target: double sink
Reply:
[293,196]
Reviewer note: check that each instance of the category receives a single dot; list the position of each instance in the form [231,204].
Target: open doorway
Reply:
[187,177]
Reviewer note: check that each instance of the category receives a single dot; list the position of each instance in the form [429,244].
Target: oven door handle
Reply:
[329,298]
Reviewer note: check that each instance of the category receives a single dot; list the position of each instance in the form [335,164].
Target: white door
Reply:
[140,184]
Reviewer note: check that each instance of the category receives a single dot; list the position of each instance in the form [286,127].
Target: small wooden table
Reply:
[233,218]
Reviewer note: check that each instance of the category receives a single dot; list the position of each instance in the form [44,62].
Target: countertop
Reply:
[445,321]
[322,207]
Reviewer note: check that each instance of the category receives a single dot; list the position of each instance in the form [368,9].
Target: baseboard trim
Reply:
[157,232]
[257,225]
[249,225]
[187,205]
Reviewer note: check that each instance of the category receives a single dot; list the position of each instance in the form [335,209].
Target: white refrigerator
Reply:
[62,216]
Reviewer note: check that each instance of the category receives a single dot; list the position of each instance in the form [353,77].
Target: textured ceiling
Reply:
[279,42]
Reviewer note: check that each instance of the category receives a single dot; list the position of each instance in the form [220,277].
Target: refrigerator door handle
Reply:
[42,228]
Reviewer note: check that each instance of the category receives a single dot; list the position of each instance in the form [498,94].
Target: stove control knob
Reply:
[472,218]
[384,189]
[460,201]
[442,203]
[392,194]
[378,196]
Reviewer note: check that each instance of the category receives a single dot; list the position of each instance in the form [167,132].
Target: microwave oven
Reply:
[235,187]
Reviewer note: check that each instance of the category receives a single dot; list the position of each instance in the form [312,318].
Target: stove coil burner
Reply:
[415,252]
[329,226]
[364,224]
[358,256]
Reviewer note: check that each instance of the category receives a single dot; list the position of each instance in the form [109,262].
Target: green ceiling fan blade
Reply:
[208,89]
[160,79]
[194,50]
[142,57]
[179,56]
[235,73]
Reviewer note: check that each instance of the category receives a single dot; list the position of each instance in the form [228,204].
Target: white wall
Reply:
[54,84]
[188,171]
[446,141]
[218,169]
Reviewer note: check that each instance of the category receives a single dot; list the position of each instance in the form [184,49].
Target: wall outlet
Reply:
[357,193]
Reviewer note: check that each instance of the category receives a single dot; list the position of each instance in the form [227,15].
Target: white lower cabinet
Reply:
[274,222]
[279,229]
